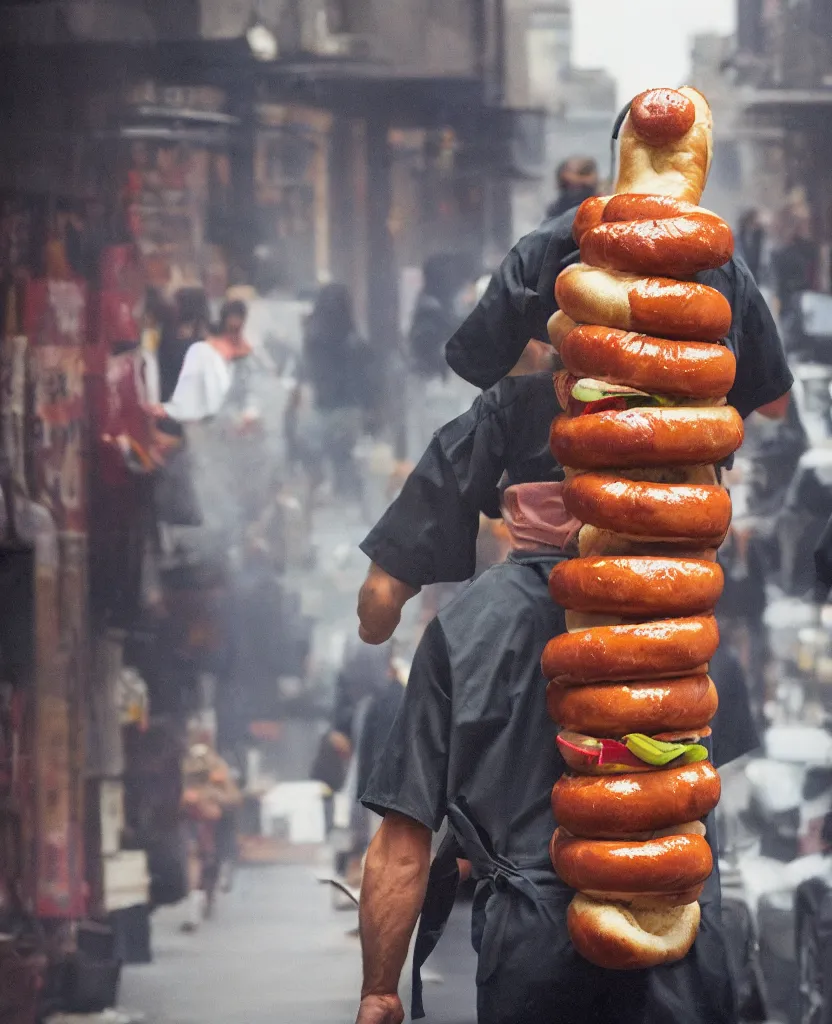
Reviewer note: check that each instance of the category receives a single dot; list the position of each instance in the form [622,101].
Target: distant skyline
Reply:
[644,43]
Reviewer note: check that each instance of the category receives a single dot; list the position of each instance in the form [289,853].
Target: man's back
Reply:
[477,701]
[504,759]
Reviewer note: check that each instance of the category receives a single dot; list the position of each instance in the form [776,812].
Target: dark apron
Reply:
[528,969]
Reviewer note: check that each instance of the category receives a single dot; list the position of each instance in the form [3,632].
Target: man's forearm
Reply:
[392,893]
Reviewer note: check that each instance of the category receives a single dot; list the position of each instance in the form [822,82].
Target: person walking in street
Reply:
[209,794]
[751,238]
[434,394]
[215,404]
[189,324]
[338,365]
[795,268]
[447,281]
[473,742]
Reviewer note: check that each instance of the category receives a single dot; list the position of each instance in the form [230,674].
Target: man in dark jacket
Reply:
[473,743]
[457,476]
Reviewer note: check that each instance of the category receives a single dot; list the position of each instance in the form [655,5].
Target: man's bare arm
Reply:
[392,893]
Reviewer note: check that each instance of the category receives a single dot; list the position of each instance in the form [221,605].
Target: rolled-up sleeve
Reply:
[429,533]
[514,309]
[411,773]
[763,374]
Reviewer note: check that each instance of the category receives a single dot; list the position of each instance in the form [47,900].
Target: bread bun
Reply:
[658,306]
[594,541]
[617,937]
[676,167]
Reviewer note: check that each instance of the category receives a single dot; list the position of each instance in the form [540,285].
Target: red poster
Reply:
[117,322]
[56,312]
[59,428]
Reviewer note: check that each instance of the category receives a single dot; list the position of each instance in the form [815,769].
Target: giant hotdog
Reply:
[645,421]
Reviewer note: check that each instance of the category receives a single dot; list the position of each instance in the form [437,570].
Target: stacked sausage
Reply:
[646,421]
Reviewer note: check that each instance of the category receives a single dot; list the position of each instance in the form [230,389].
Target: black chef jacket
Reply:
[429,533]
[472,741]
[521,297]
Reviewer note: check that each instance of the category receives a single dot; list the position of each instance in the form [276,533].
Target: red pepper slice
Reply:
[604,405]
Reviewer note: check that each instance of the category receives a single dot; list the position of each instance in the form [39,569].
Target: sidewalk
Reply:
[277,953]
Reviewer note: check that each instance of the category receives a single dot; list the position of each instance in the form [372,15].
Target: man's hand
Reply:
[380,603]
[380,1010]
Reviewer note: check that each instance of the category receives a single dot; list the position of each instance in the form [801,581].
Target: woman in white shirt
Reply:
[212,401]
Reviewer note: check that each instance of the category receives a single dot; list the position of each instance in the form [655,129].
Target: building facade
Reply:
[771,87]
[579,104]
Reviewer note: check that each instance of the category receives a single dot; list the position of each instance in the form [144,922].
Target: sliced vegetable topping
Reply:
[661,753]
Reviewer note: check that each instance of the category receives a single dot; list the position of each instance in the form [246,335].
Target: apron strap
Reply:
[464,838]
[439,902]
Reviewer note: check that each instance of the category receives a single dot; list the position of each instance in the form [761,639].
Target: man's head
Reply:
[577,174]
[232,319]
[191,306]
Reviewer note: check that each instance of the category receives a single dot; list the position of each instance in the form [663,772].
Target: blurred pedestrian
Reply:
[741,614]
[274,326]
[751,238]
[365,675]
[213,370]
[434,393]
[209,794]
[448,292]
[576,179]
[338,365]
[795,268]
[823,565]
[188,324]
[213,401]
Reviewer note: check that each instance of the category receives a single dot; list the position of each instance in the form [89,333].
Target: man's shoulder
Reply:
[554,233]
[513,390]
[496,595]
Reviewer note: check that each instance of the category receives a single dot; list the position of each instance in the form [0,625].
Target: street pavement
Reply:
[277,952]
